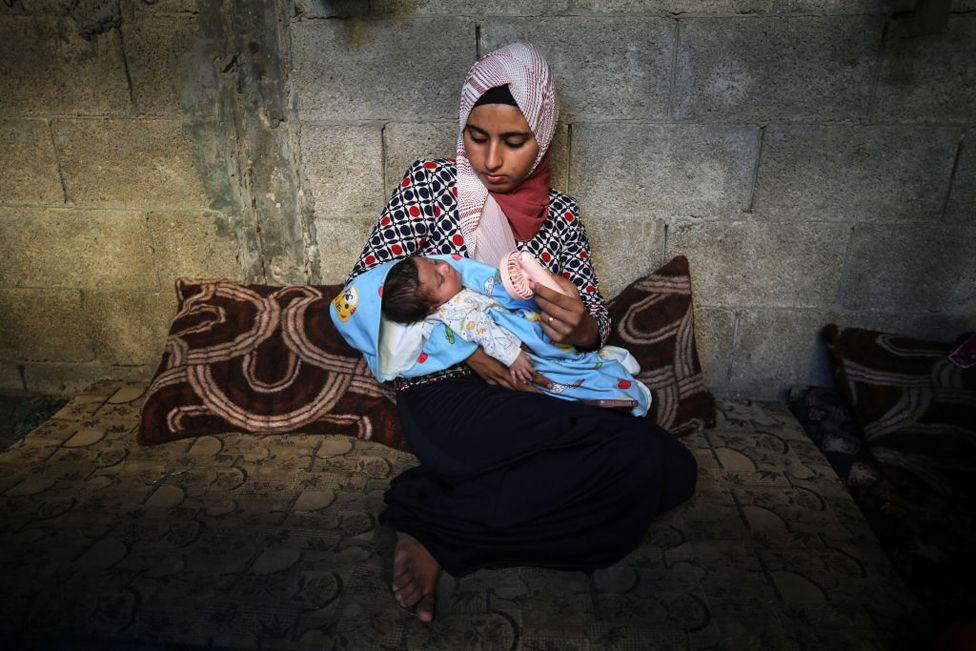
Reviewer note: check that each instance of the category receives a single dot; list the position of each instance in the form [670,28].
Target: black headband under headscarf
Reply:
[496,95]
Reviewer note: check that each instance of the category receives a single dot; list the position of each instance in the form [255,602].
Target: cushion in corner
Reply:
[262,359]
[916,409]
[653,318]
[928,540]
[827,420]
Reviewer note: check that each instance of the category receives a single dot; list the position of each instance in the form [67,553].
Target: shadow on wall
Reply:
[354,32]
[333,8]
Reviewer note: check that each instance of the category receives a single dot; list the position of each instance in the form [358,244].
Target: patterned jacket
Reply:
[421,218]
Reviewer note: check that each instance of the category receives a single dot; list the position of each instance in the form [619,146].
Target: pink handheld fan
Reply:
[518,267]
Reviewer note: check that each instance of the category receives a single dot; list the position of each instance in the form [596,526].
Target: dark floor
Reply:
[21,412]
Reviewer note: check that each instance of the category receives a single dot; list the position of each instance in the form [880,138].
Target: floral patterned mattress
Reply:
[249,541]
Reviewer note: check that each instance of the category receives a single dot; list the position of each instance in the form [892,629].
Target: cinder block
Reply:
[912,269]
[80,10]
[63,248]
[932,327]
[714,336]
[682,8]
[403,143]
[129,327]
[559,165]
[144,163]
[637,171]
[44,325]
[623,251]
[344,167]
[158,52]
[414,68]
[848,173]
[930,78]
[844,6]
[136,7]
[608,68]
[409,8]
[86,17]
[770,264]
[961,208]
[340,242]
[464,7]
[643,8]
[10,379]
[776,349]
[332,8]
[807,68]
[30,168]
[48,68]
[195,244]
[70,379]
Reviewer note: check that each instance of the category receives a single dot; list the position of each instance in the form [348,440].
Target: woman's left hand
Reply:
[564,318]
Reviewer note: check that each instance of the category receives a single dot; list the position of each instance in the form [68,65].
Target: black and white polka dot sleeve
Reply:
[402,226]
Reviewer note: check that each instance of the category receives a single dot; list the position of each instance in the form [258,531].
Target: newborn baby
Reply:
[430,290]
[419,289]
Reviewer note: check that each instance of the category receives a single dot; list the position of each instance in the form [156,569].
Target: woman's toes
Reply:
[400,584]
[425,609]
[402,579]
[415,574]
[411,594]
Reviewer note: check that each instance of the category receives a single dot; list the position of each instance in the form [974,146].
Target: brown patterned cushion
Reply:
[653,319]
[263,359]
[916,408]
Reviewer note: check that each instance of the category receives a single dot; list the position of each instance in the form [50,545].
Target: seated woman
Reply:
[508,475]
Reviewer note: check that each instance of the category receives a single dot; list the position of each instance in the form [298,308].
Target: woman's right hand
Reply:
[494,372]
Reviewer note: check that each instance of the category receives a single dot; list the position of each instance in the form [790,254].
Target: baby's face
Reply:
[439,281]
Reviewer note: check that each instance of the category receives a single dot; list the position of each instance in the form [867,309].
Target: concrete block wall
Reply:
[102,203]
[814,159]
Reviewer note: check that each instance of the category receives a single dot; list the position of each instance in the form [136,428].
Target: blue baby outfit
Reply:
[393,349]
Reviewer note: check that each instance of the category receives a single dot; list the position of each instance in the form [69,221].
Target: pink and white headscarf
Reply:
[529,79]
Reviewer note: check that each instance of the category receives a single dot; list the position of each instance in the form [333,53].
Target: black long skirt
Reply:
[511,478]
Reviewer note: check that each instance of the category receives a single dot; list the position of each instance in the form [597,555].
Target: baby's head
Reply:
[417,286]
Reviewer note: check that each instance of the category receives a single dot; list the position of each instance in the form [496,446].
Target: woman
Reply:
[510,476]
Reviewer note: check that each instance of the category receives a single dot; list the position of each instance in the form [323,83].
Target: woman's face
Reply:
[500,146]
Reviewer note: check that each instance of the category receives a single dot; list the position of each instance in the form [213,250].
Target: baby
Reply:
[430,290]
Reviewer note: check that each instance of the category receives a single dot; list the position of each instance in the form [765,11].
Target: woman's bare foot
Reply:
[415,574]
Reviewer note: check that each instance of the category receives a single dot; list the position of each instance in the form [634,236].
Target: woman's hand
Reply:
[564,318]
[494,372]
